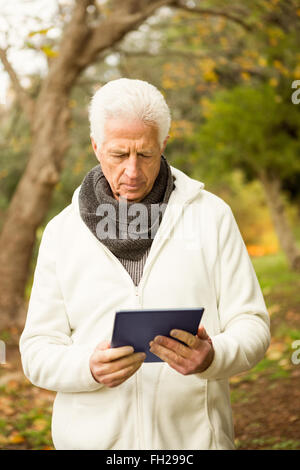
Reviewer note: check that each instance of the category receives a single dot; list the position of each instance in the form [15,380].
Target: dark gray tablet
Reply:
[137,327]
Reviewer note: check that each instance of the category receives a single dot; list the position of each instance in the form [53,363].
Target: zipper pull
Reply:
[137,297]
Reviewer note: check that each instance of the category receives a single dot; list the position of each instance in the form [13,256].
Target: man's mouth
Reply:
[132,186]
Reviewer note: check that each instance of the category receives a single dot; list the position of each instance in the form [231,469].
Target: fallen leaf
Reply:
[39,424]
[16,438]
[3,439]
[273,309]
[5,406]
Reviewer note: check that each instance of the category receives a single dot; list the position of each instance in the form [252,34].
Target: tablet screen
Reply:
[138,327]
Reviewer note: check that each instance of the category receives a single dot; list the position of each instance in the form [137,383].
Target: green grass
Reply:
[273,272]
[239,396]
[268,443]
[284,330]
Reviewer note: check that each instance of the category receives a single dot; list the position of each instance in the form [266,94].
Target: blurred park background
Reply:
[230,72]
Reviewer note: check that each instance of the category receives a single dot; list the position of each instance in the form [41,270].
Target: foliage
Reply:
[252,129]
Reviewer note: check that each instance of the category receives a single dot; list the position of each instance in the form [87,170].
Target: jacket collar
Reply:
[186,190]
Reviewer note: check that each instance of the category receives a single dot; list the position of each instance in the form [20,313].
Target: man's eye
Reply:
[145,156]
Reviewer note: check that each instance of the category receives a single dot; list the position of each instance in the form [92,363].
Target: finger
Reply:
[116,365]
[103,345]
[172,344]
[191,340]
[116,378]
[166,354]
[111,354]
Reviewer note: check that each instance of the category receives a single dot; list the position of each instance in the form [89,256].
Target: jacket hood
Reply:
[186,188]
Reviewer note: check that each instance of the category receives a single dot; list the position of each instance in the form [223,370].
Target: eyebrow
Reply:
[118,150]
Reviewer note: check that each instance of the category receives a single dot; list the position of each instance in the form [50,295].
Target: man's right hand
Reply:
[112,366]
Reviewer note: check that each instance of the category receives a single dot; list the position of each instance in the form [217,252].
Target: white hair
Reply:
[129,99]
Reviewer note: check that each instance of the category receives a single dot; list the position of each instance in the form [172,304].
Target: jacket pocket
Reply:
[89,420]
[181,420]
[99,418]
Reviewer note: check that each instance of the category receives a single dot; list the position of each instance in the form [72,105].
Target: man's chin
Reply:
[132,195]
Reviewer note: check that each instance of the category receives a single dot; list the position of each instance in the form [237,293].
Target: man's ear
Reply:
[95,148]
[164,144]
[94,145]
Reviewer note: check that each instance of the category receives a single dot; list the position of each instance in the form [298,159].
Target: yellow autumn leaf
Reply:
[168,84]
[245,76]
[49,51]
[296,72]
[273,81]
[262,61]
[40,31]
[210,76]
[16,438]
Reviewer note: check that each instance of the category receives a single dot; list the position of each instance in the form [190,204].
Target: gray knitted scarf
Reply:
[126,228]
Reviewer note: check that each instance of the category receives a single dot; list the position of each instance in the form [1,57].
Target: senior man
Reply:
[94,258]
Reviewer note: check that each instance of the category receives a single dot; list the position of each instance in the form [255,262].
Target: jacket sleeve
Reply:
[50,360]
[243,316]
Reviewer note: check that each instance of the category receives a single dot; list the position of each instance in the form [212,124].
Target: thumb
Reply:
[201,333]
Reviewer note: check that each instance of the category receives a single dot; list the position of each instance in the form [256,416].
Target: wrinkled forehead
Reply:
[127,132]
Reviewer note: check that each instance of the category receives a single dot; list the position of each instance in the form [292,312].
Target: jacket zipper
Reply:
[138,385]
[137,374]
[139,400]
[138,303]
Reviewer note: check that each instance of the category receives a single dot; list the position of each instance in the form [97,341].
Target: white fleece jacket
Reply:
[197,259]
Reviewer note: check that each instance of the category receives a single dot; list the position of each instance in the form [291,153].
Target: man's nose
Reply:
[132,169]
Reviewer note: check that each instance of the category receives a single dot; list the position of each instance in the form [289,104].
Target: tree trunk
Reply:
[29,206]
[272,188]
[49,117]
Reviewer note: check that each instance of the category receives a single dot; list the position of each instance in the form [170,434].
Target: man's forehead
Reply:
[120,146]
[122,130]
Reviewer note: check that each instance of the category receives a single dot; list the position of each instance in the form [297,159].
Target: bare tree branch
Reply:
[25,101]
[114,28]
[73,42]
[230,15]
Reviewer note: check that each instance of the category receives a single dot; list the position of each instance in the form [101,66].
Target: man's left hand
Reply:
[194,356]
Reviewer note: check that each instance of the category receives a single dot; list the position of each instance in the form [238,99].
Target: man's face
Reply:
[130,157]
